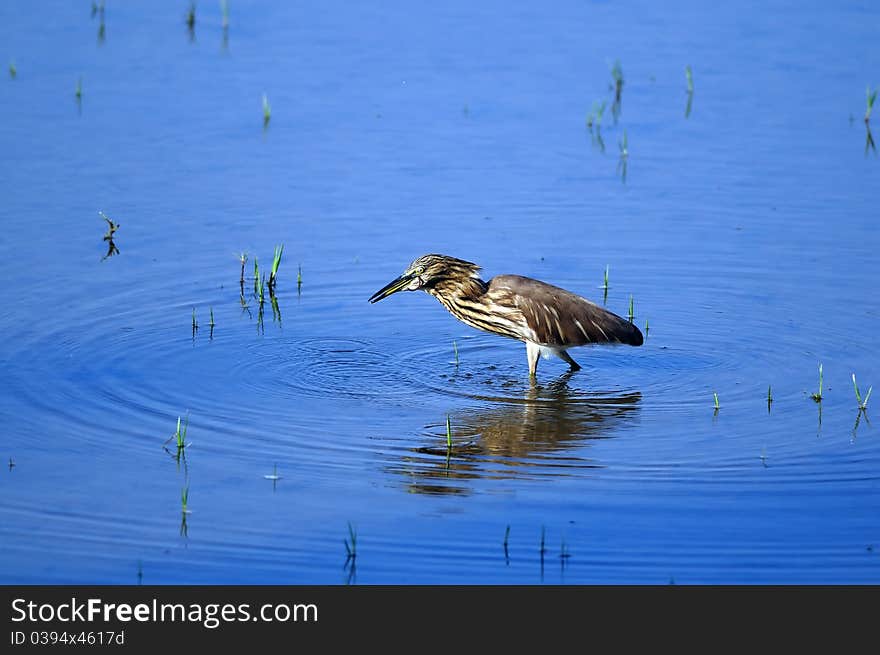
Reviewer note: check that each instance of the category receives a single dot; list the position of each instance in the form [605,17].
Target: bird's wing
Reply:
[559,318]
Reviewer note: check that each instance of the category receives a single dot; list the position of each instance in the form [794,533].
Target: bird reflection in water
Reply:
[532,437]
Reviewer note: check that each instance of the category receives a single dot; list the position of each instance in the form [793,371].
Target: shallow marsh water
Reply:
[746,233]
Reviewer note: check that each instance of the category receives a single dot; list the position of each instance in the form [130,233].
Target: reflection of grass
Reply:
[769,396]
[647,328]
[351,543]
[195,323]
[455,351]
[184,499]
[863,404]
[717,404]
[818,395]
[448,434]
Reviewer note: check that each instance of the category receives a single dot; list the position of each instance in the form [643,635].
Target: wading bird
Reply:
[548,319]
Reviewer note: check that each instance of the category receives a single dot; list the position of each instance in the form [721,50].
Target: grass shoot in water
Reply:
[863,404]
[276,262]
[870,99]
[817,397]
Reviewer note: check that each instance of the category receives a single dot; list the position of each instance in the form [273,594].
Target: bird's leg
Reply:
[533,352]
[567,358]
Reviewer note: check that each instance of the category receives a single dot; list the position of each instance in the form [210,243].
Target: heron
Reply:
[549,319]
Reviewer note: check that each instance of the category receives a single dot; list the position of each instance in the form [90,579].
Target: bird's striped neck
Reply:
[468,301]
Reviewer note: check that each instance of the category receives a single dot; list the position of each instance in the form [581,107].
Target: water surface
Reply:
[745,233]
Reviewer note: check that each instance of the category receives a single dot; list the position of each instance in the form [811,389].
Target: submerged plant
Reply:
[242,258]
[595,116]
[224,8]
[818,395]
[256,277]
[267,110]
[274,475]
[563,551]
[111,226]
[617,87]
[863,404]
[13,71]
[690,79]
[191,17]
[79,88]
[617,79]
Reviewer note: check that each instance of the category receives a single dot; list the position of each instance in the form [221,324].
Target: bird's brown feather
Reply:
[560,318]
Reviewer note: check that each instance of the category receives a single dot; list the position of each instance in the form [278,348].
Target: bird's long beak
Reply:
[392,287]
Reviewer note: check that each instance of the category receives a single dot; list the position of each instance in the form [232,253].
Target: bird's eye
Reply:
[420,270]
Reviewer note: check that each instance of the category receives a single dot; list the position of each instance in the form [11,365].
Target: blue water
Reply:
[745,232]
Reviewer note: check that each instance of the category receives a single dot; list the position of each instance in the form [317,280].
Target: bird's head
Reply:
[426,272]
